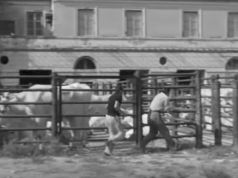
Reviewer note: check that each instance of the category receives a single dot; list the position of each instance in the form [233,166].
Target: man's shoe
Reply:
[176,147]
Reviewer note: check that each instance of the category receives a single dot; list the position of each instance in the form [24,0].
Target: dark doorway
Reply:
[124,74]
[185,80]
[34,77]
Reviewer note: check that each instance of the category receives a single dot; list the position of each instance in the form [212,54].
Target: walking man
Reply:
[158,106]
[113,120]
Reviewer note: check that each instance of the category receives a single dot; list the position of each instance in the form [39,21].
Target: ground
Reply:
[208,162]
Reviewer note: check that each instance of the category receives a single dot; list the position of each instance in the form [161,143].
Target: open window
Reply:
[232,63]
[187,80]
[31,77]
[85,62]
[7,27]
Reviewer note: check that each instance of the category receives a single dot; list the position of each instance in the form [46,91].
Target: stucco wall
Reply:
[110,22]
[162,19]
[65,23]
[17,13]
[214,24]
[163,23]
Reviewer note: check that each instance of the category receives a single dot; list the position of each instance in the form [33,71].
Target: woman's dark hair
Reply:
[119,87]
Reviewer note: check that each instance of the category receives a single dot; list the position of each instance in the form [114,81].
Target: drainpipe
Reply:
[52,5]
[52,14]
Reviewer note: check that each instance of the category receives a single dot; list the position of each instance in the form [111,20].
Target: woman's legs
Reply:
[115,131]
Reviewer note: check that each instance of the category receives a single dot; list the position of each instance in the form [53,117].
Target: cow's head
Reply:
[4,99]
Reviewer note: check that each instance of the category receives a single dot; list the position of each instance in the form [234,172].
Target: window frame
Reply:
[42,22]
[227,33]
[94,25]
[142,35]
[199,24]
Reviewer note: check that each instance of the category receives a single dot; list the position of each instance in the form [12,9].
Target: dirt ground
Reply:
[208,162]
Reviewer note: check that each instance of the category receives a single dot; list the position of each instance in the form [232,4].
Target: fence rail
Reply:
[210,104]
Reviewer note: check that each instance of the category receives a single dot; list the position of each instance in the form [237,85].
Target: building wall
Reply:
[16,11]
[162,33]
[163,23]
[162,19]
[110,22]
[214,24]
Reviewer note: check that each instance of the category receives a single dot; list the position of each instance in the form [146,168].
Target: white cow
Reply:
[127,123]
[39,109]
[101,109]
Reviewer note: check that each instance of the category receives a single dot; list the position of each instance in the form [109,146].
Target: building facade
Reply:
[110,35]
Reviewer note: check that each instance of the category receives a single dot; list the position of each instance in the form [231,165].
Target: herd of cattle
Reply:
[71,94]
[12,104]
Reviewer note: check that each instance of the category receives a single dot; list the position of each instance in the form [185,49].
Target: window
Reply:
[134,25]
[190,24]
[34,77]
[232,64]
[85,62]
[232,30]
[86,22]
[7,27]
[34,23]
[48,20]
[4,60]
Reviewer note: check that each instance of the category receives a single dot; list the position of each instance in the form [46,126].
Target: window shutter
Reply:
[34,23]
[232,25]
[86,22]
[190,24]
[134,23]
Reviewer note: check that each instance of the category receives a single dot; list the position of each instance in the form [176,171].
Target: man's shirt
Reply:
[160,102]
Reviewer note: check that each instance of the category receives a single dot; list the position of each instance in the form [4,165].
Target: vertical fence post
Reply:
[95,86]
[138,106]
[216,110]
[198,115]
[235,112]
[59,106]
[173,128]
[156,86]
[54,105]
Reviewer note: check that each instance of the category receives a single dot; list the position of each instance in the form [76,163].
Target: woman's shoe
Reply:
[108,148]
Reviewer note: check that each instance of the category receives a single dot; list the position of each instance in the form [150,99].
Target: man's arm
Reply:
[118,107]
[168,105]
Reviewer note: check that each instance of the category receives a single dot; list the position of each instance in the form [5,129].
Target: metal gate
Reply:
[184,97]
[140,87]
[101,86]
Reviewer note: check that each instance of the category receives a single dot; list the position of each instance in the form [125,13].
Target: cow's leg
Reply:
[80,135]
[31,135]
[66,135]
